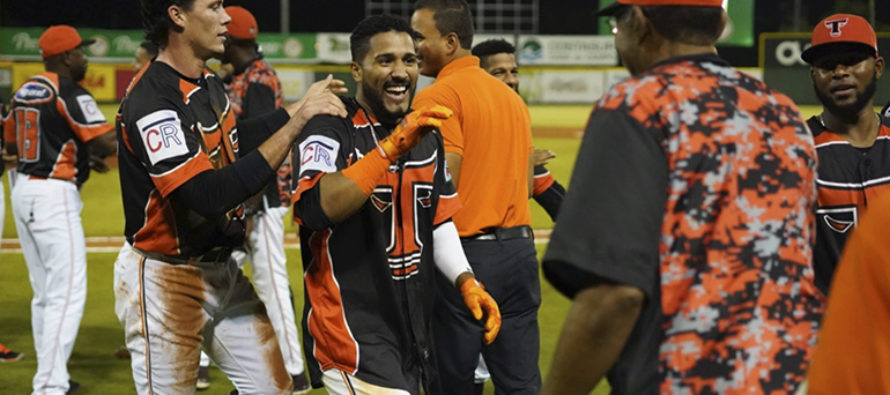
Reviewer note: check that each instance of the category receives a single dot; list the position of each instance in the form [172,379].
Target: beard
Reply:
[850,112]
[374,99]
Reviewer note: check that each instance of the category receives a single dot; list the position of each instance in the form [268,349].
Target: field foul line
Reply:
[109,244]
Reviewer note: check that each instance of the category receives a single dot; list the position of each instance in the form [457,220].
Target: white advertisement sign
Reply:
[333,48]
[571,86]
[294,81]
[567,50]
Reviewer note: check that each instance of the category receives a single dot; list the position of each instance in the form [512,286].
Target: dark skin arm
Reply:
[595,331]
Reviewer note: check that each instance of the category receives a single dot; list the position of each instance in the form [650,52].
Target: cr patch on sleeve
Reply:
[90,109]
[162,135]
[319,153]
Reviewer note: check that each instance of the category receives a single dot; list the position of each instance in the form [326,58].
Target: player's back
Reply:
[51,119]
[736,279]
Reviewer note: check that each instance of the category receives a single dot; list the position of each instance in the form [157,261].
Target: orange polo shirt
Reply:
[491,130]
[853,353]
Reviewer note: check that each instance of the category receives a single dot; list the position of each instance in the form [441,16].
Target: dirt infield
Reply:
[114,243]
[558,132]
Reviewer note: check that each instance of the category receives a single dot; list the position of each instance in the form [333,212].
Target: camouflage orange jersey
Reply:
[695,184]
[255,90]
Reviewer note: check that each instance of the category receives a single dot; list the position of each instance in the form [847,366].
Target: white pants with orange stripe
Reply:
[338,382]
[47,218]
[269,265]
[169,312]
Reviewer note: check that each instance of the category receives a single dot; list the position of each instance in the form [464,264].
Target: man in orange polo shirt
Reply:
[488,148]
[853,354]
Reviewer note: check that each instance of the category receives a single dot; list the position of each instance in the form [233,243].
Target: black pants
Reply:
[509,271]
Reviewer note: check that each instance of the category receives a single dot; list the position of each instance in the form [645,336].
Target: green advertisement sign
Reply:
[294,46]
[122,44]
[739,30]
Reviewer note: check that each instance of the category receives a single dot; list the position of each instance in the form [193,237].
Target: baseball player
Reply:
[253,91]
[185,171]
[374,203]
[852,141]
[685,238]
[53,127]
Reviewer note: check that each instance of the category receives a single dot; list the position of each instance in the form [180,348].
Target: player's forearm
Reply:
[278,146]
[449,255]
[104,145]
[453,160]
[340,196]
[594,333]
[214,192]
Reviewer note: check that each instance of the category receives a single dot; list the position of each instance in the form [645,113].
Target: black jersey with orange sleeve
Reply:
[369,280]
[51,119]
[548,192]
[172,128]
[848,178]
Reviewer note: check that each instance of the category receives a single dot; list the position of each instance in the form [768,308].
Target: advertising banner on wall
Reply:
[785,71]
[554,50]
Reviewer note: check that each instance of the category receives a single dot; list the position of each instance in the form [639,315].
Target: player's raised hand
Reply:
[478,300]
[412,129]
[329,85]
[541,157]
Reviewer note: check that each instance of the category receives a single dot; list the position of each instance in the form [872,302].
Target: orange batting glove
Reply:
[477,300]
[412,128]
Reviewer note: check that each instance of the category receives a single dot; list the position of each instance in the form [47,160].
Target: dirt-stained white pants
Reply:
[170,311]
[47,218]
[269,265]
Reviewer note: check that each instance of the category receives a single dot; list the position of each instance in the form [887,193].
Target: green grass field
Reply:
[92,362]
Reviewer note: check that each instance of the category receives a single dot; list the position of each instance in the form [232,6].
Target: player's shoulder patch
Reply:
[162,135]
[89,108]
[34,92]
[319,153]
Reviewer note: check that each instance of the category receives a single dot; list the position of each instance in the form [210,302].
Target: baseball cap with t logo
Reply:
[841,32]
[619,4]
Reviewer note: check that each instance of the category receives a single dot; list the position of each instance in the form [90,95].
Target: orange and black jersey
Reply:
[694,184]
[369,280]
[848,178]
[172,128]
[51,119]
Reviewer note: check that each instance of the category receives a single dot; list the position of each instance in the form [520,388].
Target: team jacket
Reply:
[848,179]
[51,119]
[369,281]
[256,90]
[695,184]
[173,128]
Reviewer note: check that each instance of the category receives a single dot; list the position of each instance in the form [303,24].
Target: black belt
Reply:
[219,254]
[516,232]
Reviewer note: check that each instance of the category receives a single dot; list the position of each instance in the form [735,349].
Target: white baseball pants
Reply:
[169,312]
[266,255]
[338,382]
[47,218]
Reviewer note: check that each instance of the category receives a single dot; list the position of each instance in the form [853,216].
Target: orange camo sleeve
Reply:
[452,134]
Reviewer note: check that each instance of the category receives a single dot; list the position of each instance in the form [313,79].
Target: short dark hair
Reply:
[360,39]
[157,23]
[451,16]
[149,47]
[492,47]
[687,24]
